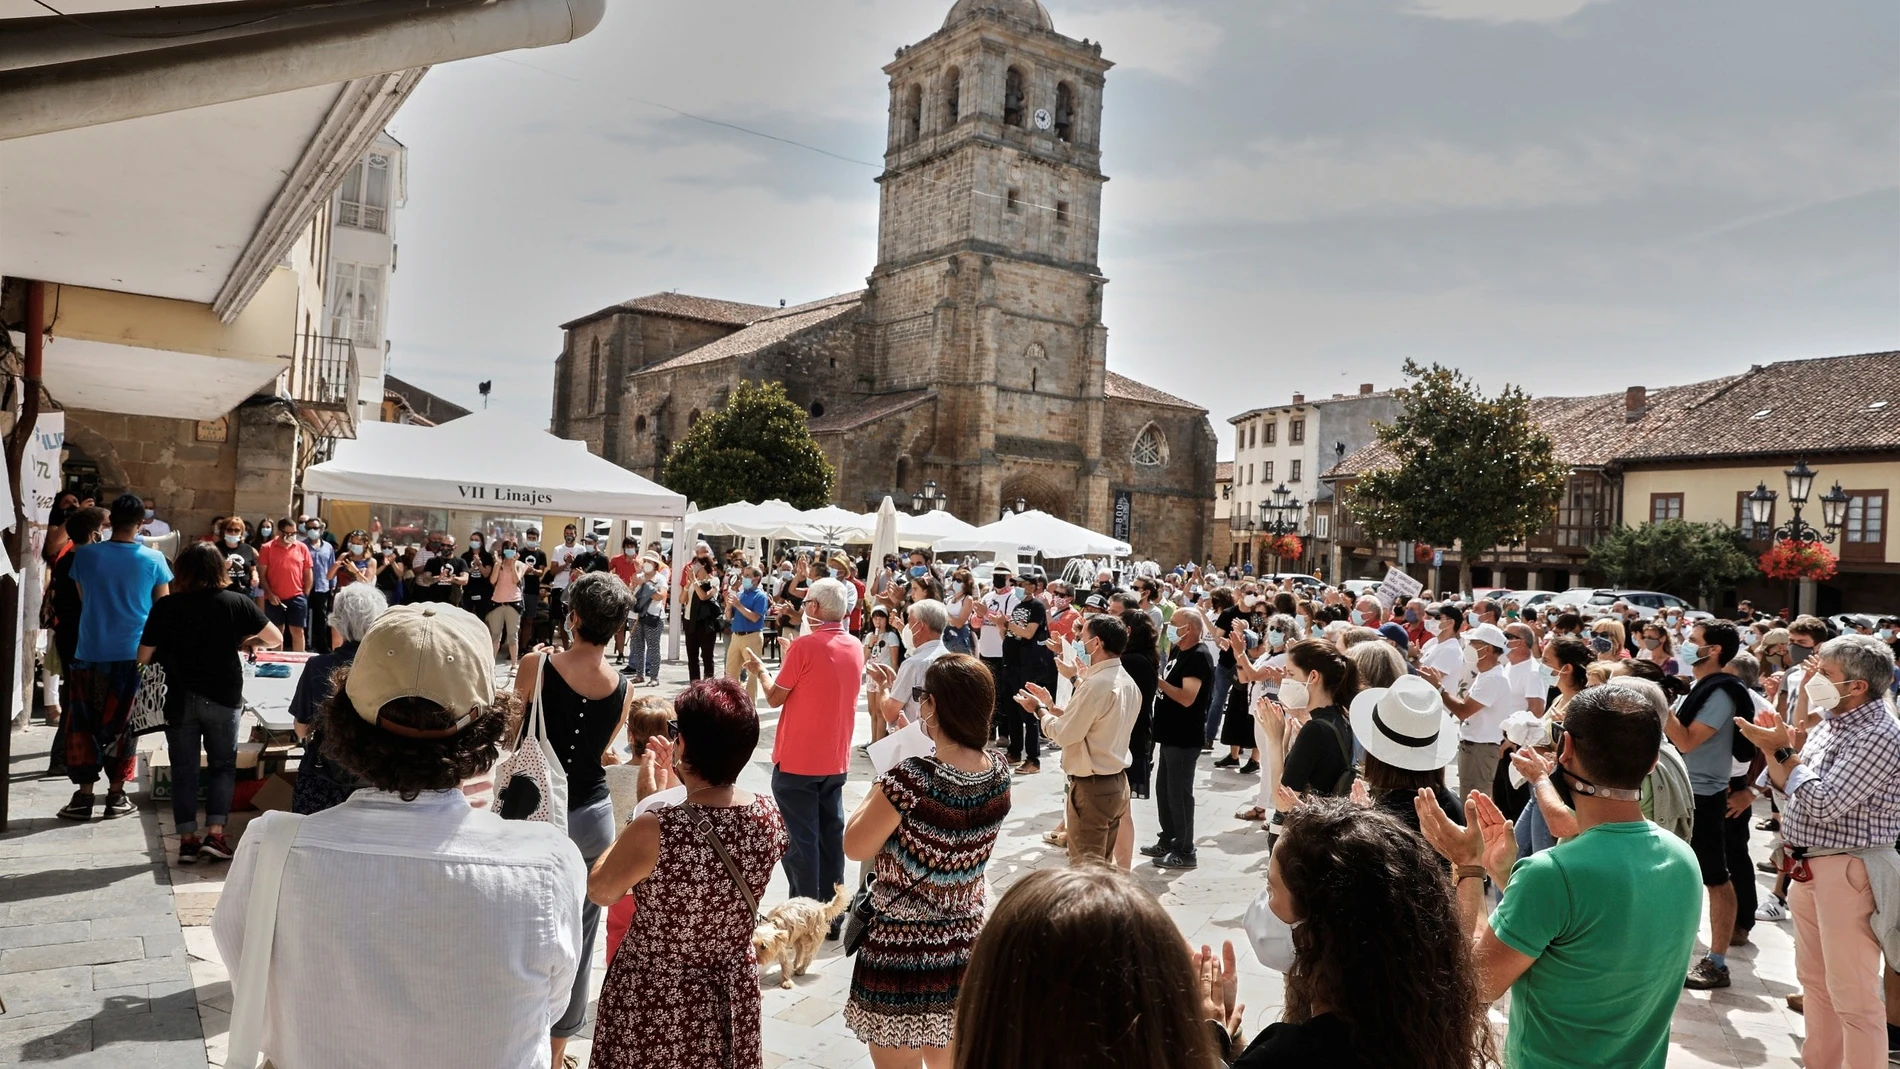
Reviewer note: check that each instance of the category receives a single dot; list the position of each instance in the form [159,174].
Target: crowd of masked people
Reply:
[1607,779]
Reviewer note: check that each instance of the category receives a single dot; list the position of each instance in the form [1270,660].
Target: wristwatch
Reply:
[1784,755]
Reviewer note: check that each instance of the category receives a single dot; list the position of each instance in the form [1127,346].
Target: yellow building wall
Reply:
[1708,494]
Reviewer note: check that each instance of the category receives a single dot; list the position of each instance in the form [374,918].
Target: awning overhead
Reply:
[487,462]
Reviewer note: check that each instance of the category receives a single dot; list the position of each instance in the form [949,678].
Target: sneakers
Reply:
[1227,762]
[1157,850]
[1772,910]
[80,808]
[1706,974]
[188,849]
[1768,824]
[117,804]
[1179,860]
[216,848]
[1251,768]
[1767,867]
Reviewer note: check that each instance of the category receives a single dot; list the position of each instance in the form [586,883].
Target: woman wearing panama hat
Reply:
[1409,737]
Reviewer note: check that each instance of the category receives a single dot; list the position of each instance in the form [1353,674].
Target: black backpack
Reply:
[1343,786]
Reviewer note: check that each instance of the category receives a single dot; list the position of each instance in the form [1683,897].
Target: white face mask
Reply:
[1272,938]
[1822,693]
[1471,655]
[1293,694]
[910,639]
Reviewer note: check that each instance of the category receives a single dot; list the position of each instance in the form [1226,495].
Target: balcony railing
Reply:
[324,382]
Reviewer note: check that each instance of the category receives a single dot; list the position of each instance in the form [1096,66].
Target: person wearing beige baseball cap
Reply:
[404,886]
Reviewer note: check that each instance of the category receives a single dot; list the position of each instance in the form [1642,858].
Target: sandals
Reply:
[1252,812]
[1055,838]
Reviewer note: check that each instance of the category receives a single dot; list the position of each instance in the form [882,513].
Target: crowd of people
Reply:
[1460,798]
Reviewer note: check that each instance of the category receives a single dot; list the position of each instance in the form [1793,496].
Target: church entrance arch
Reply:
[1039,492]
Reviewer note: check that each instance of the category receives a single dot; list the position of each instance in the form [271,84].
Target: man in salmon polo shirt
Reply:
[816,692]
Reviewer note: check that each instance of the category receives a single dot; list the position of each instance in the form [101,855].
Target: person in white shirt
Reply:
[1481,710]
[1442,652]
[1523,669]
[561,573]
[892,690]
[406,915]
[153,527]
[992,615]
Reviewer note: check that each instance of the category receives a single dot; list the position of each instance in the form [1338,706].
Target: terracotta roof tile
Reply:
[1223,471]
[683,306]
[1123,388]
[771,329]
[869,410]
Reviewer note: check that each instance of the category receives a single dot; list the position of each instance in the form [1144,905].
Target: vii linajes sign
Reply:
[504,495]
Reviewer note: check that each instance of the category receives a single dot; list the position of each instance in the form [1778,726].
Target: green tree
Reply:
[1466,468]
[1696,561]
[758,446]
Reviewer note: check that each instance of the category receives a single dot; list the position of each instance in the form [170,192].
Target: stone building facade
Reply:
[976,356]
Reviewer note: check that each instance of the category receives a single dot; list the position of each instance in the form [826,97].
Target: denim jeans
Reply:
[195,721]
[813,809]
[1174,796]
[1223,679]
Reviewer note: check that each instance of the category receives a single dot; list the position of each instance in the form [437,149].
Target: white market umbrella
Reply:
[834,526]
[1035,533]
[930,528]
[884,530]
[770,518]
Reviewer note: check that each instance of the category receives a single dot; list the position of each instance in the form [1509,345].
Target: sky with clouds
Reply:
[1570,195]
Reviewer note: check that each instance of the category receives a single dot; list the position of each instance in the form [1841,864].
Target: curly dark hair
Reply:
[1381,944]
[390,762]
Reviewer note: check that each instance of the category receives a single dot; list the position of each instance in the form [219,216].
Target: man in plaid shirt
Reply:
[1839,824]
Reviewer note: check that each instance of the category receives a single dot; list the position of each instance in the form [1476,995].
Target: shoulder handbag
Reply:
[859,915]
[1343,786]
[703,823]
[533,773]
[148,707]
[252,981]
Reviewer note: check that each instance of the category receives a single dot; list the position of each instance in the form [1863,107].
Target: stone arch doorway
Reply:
[91,457]
[1039,492]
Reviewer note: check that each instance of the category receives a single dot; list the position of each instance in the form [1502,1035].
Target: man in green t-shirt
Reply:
[1592,934]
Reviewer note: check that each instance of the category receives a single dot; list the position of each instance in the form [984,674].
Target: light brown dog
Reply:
[792,931]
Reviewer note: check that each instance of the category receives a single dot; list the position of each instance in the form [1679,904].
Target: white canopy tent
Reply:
[1033,533]
[770,518]
[488,462]
[929,529]
[836,526]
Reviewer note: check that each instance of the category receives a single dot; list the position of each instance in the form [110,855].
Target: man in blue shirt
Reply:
[322,559]
[747,607]
[1702,728]
[117,581]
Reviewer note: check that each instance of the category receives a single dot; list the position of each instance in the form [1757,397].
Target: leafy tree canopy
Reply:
[1690,560]
[757,447]
[1467,468]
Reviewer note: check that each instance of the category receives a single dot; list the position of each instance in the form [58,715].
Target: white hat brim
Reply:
[1412,758]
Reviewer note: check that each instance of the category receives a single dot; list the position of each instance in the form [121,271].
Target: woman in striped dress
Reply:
[930,823]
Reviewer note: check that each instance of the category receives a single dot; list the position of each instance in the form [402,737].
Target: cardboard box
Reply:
[275,793]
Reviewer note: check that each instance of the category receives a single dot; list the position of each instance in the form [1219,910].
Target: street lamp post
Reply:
[1761,509]
[1279,517]
[926,499]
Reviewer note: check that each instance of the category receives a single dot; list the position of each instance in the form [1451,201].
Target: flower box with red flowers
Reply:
[1789,559]
[1286,545]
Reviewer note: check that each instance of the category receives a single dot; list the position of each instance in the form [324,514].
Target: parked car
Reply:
[1299,579]
[1360,588]
[1528,599]
[1645,602]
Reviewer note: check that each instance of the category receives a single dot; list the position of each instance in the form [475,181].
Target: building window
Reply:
[692,418]
[593,377]
[1746,522]
[1296,431]
[1665,507]
[913,113]
[639,424]
[1273,431]
[1065,111]
[1864,534]
[1266,472]
[1013,97]
[363,199]
[355,312]
[952,96]
[1293,471]
[817,409]
[1151,449]
[1062,213]
[1253,435]
[1015,200]
[1322,526]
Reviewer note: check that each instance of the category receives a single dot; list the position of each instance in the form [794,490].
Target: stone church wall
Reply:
[882,457]
[1174,505]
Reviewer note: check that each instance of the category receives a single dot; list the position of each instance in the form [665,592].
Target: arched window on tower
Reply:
[593,377]
[913,112]
[1065,111]
[1150,449]
[1013,97]
[952,96]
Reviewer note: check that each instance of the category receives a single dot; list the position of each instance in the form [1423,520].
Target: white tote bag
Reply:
[252,981]
[536,765]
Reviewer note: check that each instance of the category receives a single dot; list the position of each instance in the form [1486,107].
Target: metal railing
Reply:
[324,382]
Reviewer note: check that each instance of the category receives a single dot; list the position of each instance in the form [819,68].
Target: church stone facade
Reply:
[976,355]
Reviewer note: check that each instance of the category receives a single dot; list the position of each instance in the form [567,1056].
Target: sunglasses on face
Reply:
[917,694]
[672,729]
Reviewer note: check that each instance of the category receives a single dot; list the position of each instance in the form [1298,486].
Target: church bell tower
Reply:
[987,289]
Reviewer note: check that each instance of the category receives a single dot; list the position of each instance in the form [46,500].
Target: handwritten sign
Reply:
[1398,586]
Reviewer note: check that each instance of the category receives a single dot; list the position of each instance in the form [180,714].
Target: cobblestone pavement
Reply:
[106,960]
